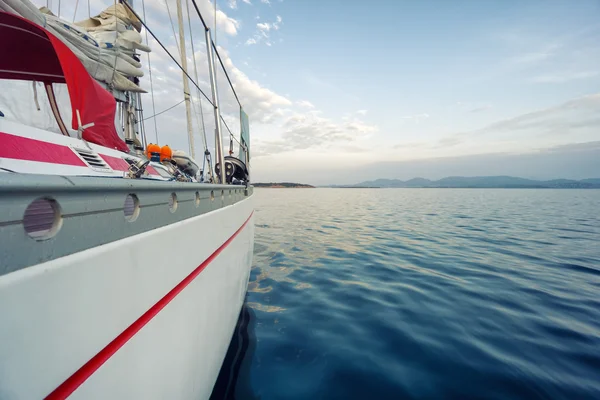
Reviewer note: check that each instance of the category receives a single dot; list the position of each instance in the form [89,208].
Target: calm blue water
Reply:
[420,294]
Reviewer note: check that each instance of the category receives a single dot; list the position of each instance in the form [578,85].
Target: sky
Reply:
[342,91]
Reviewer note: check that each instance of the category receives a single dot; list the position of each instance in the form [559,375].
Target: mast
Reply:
[215,98]
[186,85]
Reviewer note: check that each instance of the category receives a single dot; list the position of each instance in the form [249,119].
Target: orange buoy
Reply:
[165,153]
[153,150]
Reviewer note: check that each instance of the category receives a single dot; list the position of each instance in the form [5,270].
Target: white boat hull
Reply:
[146,317]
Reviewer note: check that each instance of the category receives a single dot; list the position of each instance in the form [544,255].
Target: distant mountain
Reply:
[281,185]
[592,180]
[481,182]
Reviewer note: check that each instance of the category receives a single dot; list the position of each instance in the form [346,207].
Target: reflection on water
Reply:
[419,294]
[234,379]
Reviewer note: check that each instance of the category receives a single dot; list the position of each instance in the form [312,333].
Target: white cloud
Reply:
[225,24]
[247,2]
[263,26]
[308,130]
[473,107]
[264,31]
[265,1]
[305,104]
[577,117]
[362,112]
[565,77]
[416,117]
[232,4]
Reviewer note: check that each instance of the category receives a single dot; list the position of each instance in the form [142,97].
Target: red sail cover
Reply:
[30,52]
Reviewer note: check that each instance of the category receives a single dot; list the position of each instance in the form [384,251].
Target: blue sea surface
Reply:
[420,294]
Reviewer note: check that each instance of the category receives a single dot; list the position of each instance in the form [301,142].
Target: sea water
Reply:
[420,294]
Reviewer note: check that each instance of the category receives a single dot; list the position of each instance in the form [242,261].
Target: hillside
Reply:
[281,185]
[481,182]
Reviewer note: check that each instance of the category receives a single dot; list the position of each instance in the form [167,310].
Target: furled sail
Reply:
[105,44]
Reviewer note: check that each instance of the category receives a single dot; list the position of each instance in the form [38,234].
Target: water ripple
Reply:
[418,294]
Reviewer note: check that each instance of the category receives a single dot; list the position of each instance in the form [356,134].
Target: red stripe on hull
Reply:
[65,389]
[116,163]
[151,170]
[22,148]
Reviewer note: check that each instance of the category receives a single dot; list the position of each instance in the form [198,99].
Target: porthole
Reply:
[197,201]
[42,219]
[212,195]
[131,208]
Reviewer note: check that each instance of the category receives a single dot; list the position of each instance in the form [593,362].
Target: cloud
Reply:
[567,118]
[265,2]
[303,131]
[530,58]
[305,104]
[416,117]
[362,112]
[548,117]
[482,108]
[247,2]
[232,4]
[473,107]
[263,26]
[225,24]
[565,77]
[263,32]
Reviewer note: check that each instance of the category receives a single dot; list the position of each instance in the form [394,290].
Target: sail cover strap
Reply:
[55,110]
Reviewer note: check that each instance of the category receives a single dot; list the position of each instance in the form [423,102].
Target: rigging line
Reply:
[230,133]
[226,74]
[112,80]
[75,13]
[238,142]
[141,122]
[215,20]
[199,15]
[169,54]
[89,11]
[173,29]
[216,51]
[187,6]
[164,111]
[150,73]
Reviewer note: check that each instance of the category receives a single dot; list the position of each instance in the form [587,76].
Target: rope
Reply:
[204,141]
[215,48]
[168,53]
[164,111]
[150,73]
[173,29]
[226,74]
[89,11]
[75,13]
[215,21]
[231,135]
[112,80]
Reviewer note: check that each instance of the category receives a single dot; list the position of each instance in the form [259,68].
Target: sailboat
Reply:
[123,264]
